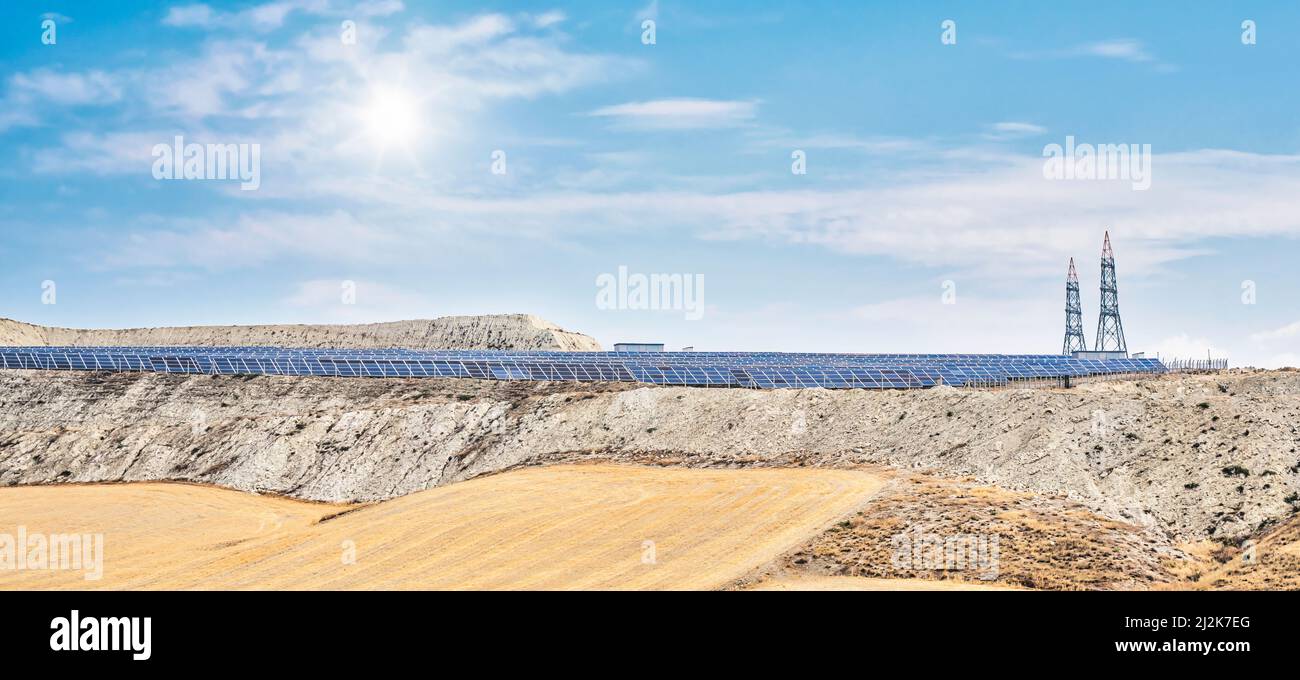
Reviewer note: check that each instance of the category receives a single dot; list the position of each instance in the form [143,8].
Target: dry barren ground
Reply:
[1269,562]
[851,583]
[562,527]
[1196,457]
[1042,542]
[149,529]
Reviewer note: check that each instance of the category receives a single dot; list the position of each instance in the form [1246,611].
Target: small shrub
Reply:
[1235,471]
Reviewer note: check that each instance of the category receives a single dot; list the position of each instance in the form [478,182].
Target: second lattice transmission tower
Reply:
[1110,330]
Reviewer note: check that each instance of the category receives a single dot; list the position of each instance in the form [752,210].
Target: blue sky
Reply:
[924,168]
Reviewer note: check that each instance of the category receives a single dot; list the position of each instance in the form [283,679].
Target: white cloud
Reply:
[986,212]
[787,140]
[378,8]
[252,240]
[314,82]
[270,16]
[1014,129]
[265,17]
[1122,49]
[548,19]
[1126,49]
[69,89]
[680,114]
[209,84]
[445,39]
[12,117]
[371,302]
[107,154]
[212,84]
[1283,360]
[970,219]
[650,11]
[1284,333]
[970,324]
[189,16]
[491,57]
[1183,346]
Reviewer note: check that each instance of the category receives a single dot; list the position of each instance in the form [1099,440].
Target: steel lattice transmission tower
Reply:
[1110,330]
[1074,341]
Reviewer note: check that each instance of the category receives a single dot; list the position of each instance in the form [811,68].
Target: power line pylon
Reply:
[1074,341]
[1110,330]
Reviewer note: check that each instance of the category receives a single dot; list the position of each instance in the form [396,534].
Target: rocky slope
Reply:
[1042,542]
[1193,456]
[502,331]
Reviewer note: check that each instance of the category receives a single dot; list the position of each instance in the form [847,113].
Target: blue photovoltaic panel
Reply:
[705,369]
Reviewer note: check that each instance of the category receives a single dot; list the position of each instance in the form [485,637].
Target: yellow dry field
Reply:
[565,527]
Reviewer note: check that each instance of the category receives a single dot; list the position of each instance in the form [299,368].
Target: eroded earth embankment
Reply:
[1194,456]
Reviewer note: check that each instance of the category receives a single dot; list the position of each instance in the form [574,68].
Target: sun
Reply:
[392,116]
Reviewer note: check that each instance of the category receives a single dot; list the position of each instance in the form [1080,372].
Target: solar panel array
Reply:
[702,369]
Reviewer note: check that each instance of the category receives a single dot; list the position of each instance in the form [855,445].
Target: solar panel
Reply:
[768,370]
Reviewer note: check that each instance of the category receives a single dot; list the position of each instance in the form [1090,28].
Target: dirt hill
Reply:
[1193,456]
[503,331]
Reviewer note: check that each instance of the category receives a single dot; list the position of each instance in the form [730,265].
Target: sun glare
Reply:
[391,117]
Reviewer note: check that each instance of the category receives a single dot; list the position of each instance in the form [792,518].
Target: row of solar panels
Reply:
[669,358]
[900,371]
[489,353]
[1069,364]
